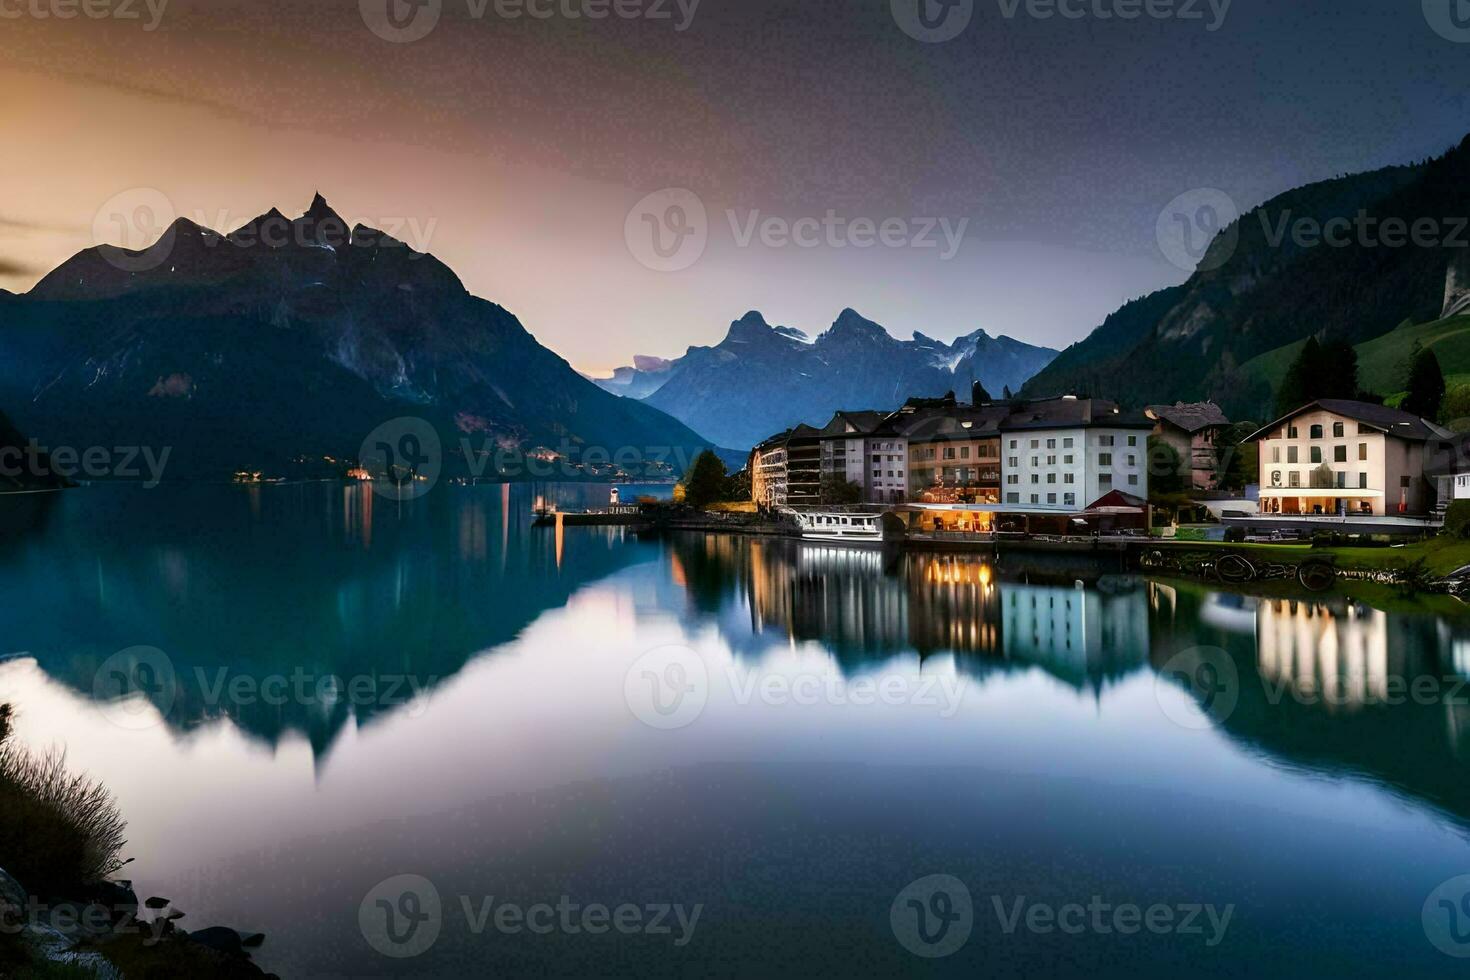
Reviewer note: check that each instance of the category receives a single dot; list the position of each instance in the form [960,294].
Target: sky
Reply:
[631,183]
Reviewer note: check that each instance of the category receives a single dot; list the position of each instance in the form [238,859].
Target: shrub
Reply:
[1457,519]
[60,831]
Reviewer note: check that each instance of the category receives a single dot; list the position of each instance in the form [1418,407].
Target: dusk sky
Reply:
[515,148]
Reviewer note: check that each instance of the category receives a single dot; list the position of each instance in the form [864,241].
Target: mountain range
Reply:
[1267,282]
[291,340]
[762,379]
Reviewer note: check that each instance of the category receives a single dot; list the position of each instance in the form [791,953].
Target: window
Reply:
[1051,461]
[1035,460]
[964,452]
[1066,443]
[1362,481]
[1051,499]
[1014,479]
[1362,450]
[1337,430]
[1132,440]
[1104,459]
[1013,498]
[1294,479]
[1132,460]
[949,452]
[1035,443]
[1275,454]
[1316,454]
[1316,432]
[1051,444]
[1133,479]
[1014,462]
[1013,444]
[1339,454]
[1070,499]
[1051,478]
[1291,432]
[1035,498]
[1035,477]
[1068,460]
[1069,478]
[1341,480]
[1105,481]
[1105,440]
[1291,454]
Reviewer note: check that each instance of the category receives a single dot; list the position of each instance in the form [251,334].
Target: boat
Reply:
[845,528]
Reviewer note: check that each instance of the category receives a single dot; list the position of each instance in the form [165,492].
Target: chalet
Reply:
[1347,458]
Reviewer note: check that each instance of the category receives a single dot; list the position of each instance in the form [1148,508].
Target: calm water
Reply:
[788,741]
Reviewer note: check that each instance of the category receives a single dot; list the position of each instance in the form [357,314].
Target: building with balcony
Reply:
[1347,458]
[862,449]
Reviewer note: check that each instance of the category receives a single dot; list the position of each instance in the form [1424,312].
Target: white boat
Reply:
[846,528]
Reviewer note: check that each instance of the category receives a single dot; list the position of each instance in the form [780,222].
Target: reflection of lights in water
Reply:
[1341,659]
[357,513]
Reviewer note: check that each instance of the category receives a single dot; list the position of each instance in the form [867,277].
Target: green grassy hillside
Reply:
[1382,361]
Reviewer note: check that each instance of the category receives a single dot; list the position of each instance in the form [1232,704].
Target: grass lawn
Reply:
[1442,555]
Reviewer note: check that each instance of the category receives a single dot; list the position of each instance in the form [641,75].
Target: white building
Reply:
[863,449]
[1064,453]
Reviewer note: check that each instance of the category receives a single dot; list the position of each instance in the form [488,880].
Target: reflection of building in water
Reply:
[1341,658]
[952,605]
[1079,635]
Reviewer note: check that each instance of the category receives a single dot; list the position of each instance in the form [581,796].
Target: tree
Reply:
[1320,370]
[704,484]
[1167,472]
[1454,412]
[1297,384]
[1239,460]
[1426,386]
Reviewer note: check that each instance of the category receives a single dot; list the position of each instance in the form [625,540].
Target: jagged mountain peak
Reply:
[852,324]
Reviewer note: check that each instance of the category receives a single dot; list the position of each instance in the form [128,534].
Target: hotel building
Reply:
[1345,458]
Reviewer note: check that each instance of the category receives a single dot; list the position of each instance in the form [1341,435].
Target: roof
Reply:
[1114,502]
[1189,416]
[1072,413]
[853,424]
[1392,421]
[954,424]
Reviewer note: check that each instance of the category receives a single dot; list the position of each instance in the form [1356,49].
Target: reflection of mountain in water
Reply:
[1330,688]
[867,606]
[319,579]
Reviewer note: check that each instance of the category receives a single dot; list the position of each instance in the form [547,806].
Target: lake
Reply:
[427,739]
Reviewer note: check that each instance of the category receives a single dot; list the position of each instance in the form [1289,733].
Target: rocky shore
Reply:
[108,934]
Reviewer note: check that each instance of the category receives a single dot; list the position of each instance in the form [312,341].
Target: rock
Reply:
[12,895]
[252,940]
[218,938]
